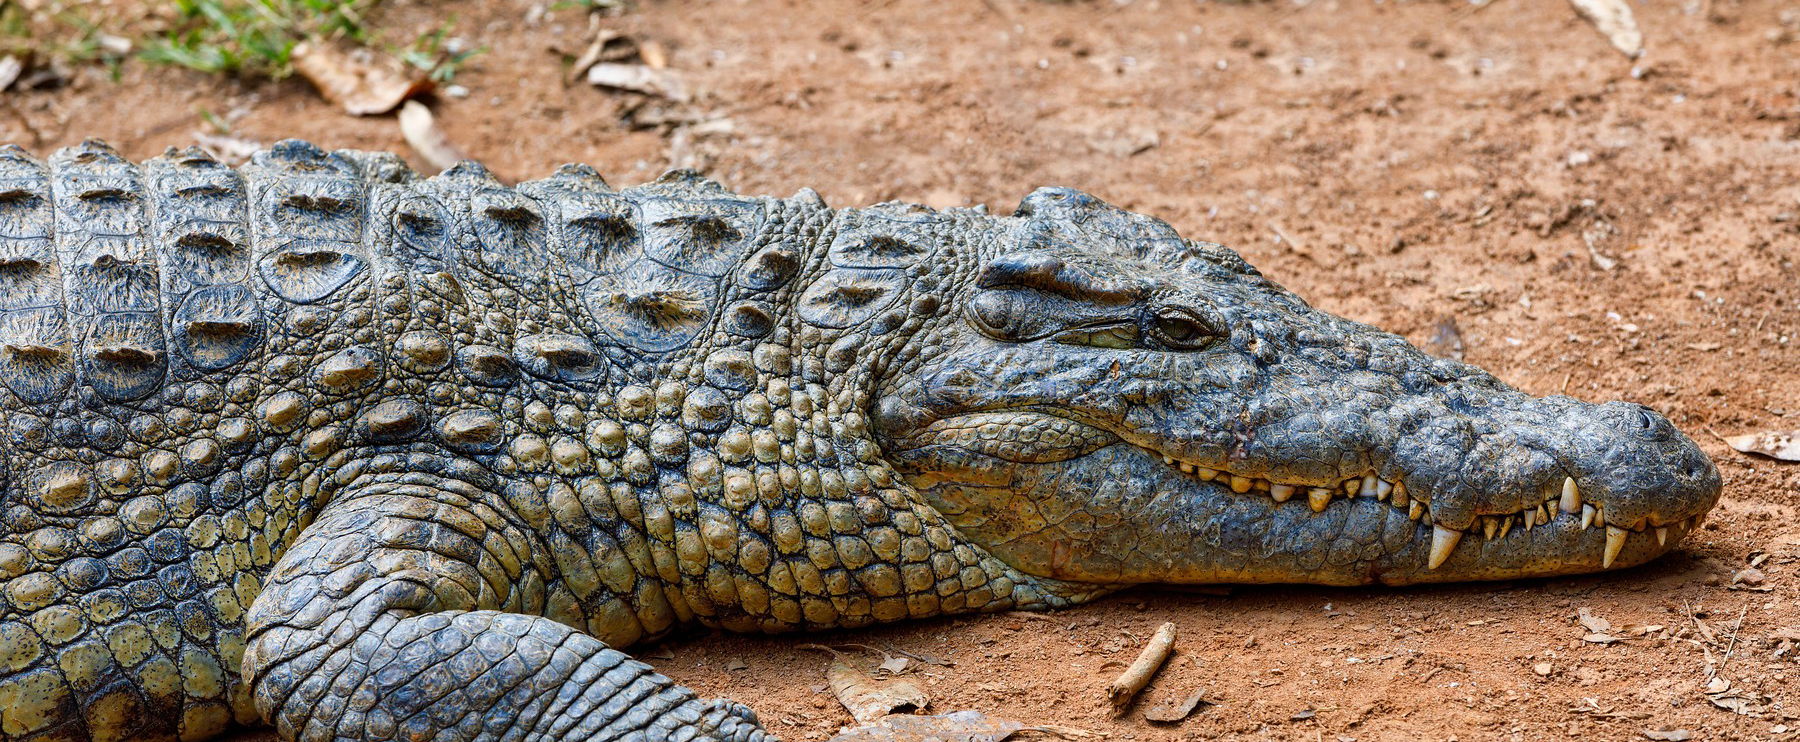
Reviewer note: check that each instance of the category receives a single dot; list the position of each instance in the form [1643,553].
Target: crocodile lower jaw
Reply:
[1567,503]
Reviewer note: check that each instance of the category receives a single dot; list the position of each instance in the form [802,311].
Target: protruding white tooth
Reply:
[1528,519]
[1368,488]
[1207,475]
[1543,513]
[1281,492]
[1414,510]
[1351,486]
[1571,496]
[1615,542]
[1662,535]
[1239,484]
[1587,516]
[1167,459]
[1401,499]
[1318,498]
[1383,488]
[1506,524]
[1188,468]
[1443,541]
[1489,526]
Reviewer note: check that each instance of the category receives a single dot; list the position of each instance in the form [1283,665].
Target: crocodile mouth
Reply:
[1563,506]
[1005,474]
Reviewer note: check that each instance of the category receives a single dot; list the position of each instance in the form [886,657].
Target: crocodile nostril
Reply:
[1646,420]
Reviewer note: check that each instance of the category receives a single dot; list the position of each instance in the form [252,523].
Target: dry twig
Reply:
[1148,661]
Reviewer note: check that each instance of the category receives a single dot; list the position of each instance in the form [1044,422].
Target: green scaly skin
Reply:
[320,444]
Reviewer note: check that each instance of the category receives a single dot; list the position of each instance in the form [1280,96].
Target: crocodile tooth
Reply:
[1368,488]
[1318,498]
[1260,485]
[1239,484]
[1443,541]
[1383,488]
[1615,542]
[1662,535]
[1488,527]
[1543,513]
[1167,459]
[1207,475]
[1414,510]
[1351,486]
[1587,516]
[1187,468]
[1528,519]
[1506,523]
[1281,492]
[1571,496]
[1401,499]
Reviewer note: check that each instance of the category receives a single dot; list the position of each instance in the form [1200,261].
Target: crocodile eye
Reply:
[1181,330]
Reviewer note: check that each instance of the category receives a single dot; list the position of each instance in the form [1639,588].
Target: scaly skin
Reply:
[364,456]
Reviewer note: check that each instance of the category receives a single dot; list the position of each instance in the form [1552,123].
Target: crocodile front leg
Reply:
[404,613]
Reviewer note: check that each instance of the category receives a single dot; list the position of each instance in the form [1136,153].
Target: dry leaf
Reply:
[1704,346]
[1669,735]
[229,149]
[654,54]
[592,54]
[423,135]
[1594,624]
[960,726]
[1613,19]
[1171,711]
[1783,445]
[1597,638]
[360,81]
[866,697]
[895,665]
[637,78]
[10,69]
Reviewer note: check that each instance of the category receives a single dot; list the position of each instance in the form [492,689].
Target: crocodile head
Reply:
[1104,402]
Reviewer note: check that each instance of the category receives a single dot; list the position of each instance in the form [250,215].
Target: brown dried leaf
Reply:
[654,54]
[1790,633]
[896,664]
[10,69]
[1781,445]
[1597,638]
[1594,624]
[592,54]
[637,78]
[1170,711]
[1612,18]
[1668,735]
[866,697]
[358,79]
[423,135]
[961,726]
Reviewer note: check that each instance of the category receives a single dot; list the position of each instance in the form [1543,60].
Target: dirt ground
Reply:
[1590,224]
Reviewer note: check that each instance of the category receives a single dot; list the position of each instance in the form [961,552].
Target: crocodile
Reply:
[321,444]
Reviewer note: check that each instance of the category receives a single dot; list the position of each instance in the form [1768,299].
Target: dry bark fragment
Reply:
[1138,675]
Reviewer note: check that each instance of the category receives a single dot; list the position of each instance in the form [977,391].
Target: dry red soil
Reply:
[1593,225]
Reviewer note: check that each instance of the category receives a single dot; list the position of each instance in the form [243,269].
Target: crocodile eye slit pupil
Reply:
[1180,330]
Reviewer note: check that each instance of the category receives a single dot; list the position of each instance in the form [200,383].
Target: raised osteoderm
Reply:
[320,443]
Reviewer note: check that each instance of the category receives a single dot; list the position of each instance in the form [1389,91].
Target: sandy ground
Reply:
[1588,227]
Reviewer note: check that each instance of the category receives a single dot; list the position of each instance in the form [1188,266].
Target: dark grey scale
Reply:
[109,270]
[37,351]
[706,237]
[308,206]
[870,253]
[200,223]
